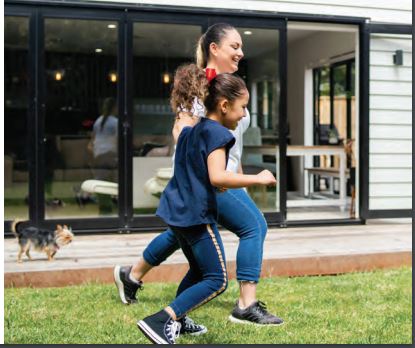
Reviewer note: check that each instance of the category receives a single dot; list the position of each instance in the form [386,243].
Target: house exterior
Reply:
[346,66]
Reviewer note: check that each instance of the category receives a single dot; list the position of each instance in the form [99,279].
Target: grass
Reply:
[358,308]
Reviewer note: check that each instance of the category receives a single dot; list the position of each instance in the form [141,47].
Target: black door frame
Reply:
[121,11]
[367,30]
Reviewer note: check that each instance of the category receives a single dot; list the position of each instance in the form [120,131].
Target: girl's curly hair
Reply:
[190,82]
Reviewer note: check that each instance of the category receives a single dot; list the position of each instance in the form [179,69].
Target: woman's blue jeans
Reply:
[237,213]
[207,277]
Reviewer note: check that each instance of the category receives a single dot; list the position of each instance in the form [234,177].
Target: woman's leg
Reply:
[239,214]
[128,278]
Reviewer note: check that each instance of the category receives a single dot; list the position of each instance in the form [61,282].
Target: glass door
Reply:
[158,48]
[80,116]
[264,68]
[17,115]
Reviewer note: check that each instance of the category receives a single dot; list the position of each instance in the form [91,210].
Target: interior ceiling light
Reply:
[98,50]
[112,77]
[166,78]
[58,75]
[248,32]
[112,26]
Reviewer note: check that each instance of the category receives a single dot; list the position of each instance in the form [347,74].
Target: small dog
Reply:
[41,239]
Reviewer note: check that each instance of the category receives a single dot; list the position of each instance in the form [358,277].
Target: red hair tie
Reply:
[210,74]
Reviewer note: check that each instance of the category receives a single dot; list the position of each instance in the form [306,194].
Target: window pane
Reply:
[81,83]
[340,100]
[16,103]
[324,106]
[259,68]
[158,50]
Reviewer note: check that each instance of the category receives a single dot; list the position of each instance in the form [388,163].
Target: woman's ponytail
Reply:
[201,56]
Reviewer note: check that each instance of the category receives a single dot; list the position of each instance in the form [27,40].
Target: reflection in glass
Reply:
[81,116]
[159,49]
[16,176]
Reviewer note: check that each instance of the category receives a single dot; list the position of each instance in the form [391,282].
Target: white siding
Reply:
[390,124]
[397,11]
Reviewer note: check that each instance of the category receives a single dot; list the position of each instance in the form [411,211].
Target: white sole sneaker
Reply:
[119,284]
[150,333]
[247,322]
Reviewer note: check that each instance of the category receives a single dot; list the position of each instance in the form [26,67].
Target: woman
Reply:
[104,144]
[220,48]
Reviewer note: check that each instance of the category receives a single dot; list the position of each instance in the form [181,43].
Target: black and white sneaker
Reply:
[189,327]
[160,328]
[127,289]
[256,313]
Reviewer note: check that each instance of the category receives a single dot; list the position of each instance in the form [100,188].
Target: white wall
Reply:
[305,53]
[390,123]
[396,11]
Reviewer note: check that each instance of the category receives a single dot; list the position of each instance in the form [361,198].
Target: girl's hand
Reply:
[266,178]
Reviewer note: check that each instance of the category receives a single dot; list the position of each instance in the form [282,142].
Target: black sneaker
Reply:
[189,327]
[256,313]
[160,328]
[126,287]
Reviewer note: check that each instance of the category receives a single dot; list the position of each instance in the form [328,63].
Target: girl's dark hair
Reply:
[224,86]
[190,82]
[215,33]
[107,108]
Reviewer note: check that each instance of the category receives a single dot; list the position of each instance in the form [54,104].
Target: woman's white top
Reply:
[106,139]
[235,152]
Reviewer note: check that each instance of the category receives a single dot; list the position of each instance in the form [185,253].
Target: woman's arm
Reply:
[220,177]
[183,119]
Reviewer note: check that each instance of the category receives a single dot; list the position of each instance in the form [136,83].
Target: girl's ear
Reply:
[223,105]
[213,48]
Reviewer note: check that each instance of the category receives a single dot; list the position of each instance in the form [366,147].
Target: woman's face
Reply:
[228,53]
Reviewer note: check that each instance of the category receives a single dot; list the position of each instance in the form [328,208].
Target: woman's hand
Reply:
[266,178]
[183,119]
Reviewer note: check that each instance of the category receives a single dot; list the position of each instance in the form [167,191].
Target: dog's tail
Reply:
[15,227]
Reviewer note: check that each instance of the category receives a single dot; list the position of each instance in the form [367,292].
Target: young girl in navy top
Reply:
[188,203]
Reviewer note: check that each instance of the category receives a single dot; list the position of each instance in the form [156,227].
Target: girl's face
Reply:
[228,53]
[232,113]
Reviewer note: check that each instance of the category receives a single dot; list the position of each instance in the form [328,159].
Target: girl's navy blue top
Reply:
[189,198]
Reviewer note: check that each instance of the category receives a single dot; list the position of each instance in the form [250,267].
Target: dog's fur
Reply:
[40,239]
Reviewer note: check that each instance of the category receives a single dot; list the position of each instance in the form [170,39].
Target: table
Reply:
[304,151]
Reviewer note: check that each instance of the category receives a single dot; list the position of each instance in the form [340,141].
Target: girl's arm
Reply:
[220,177]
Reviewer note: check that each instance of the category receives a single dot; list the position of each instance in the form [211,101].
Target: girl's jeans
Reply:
[207,277]
[237,213]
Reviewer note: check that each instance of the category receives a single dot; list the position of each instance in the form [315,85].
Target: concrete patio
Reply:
[287,252]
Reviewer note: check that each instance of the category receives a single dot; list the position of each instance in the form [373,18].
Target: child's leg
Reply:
[203,248]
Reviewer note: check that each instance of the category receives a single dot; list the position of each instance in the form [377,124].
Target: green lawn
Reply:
[373,307]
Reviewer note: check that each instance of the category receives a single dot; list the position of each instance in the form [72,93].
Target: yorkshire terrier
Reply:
[41,239]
